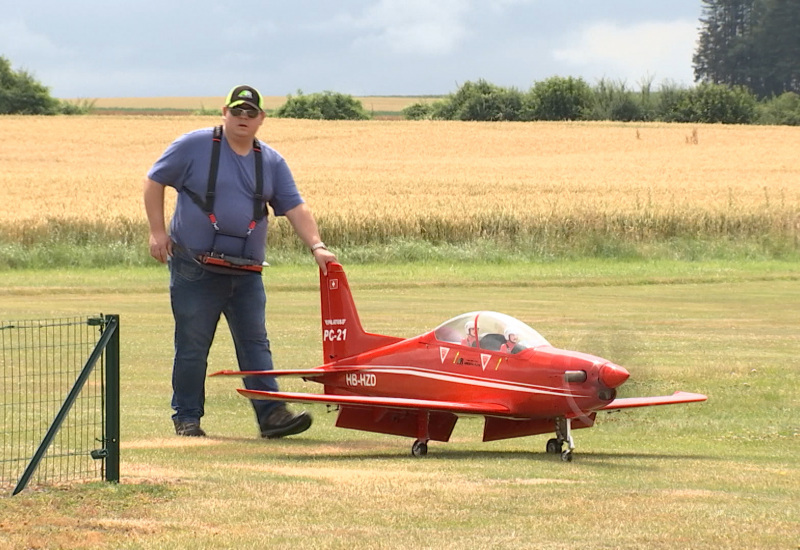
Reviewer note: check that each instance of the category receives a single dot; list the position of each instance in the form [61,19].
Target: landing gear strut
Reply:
[563,435]
[420,446]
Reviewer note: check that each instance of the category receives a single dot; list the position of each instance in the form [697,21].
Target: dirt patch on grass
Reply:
[146,473]
[171,443]
[537,481]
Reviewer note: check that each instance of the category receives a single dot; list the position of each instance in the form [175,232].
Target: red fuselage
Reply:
[541,382]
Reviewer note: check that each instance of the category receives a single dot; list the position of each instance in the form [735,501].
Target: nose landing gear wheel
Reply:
[563,435]
[554,446]
[419,448]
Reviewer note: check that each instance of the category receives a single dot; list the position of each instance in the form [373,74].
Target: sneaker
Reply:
[281,422]
[189,428]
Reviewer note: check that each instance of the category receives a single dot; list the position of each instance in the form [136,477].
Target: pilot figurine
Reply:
[512,342]
[471,339]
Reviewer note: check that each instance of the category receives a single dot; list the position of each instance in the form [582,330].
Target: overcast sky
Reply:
[93,49]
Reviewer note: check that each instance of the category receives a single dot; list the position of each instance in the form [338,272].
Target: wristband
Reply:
[318,246]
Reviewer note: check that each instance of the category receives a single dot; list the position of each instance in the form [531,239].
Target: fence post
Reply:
[112,401]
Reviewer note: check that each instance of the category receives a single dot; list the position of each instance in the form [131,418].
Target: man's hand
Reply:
[323,257]
[160,246]
[160,243]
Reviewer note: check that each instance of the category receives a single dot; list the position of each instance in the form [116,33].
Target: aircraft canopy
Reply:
[494,330]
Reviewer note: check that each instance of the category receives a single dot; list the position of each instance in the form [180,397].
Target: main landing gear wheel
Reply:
[419,448]
[566,456]
[554,446]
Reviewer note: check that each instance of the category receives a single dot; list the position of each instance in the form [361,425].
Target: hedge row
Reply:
[567,98]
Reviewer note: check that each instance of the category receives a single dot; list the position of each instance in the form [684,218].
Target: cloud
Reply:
[19,40]
[502,5]
[634,52]
[417,27]
[119,49]
[255,31]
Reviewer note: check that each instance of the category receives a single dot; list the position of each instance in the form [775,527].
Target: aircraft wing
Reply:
[369,401]
[676,398]
[305,373]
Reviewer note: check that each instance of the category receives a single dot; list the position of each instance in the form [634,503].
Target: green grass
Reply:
[57,243]
[125,252]
[720,474]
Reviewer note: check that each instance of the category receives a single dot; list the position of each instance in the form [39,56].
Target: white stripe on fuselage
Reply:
[470,380]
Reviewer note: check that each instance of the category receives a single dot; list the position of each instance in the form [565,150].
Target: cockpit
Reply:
[491,331]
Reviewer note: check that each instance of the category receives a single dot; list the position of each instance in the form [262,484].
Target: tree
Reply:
[777,51]
[20,93]
[752,43]
[725,51]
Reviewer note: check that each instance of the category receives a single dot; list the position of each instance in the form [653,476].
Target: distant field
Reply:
[371,103]
[539,187]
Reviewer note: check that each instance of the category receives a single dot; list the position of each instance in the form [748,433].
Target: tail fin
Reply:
[342,333]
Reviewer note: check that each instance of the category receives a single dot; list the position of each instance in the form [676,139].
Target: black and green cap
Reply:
[245,95]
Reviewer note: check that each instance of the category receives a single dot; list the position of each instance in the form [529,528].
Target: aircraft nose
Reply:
[612,375]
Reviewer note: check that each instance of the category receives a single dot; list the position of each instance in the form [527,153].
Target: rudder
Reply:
[342,333]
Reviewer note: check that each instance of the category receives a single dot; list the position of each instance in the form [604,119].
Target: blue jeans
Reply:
[198,299]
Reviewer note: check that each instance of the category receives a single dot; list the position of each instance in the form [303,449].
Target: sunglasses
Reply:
[237,112]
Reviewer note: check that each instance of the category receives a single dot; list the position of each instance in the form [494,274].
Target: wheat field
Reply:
[438,180]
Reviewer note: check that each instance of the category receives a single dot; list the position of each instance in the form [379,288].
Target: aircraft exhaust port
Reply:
[575,376]
[607,395]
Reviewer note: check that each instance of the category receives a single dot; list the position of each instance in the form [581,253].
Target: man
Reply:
[215,249]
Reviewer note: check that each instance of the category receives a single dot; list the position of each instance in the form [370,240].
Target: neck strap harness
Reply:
[207,204]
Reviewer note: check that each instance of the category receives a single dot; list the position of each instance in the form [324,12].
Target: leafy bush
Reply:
[612,101]
[559,98]
[20,93]
[496,105]
[670,99]
[418,111]
[322,106]
[781,110]
[712,103]
[452,105]
[480,100]
[725,104]
[80,107]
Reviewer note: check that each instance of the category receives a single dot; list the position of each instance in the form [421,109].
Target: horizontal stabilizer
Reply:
[367,401]
[674,399]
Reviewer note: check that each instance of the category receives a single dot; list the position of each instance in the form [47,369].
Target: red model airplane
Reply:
[481,363]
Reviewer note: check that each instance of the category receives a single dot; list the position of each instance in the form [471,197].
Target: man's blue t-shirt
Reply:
[185,164]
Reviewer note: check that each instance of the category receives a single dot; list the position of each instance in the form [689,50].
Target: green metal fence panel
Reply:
[59,400]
